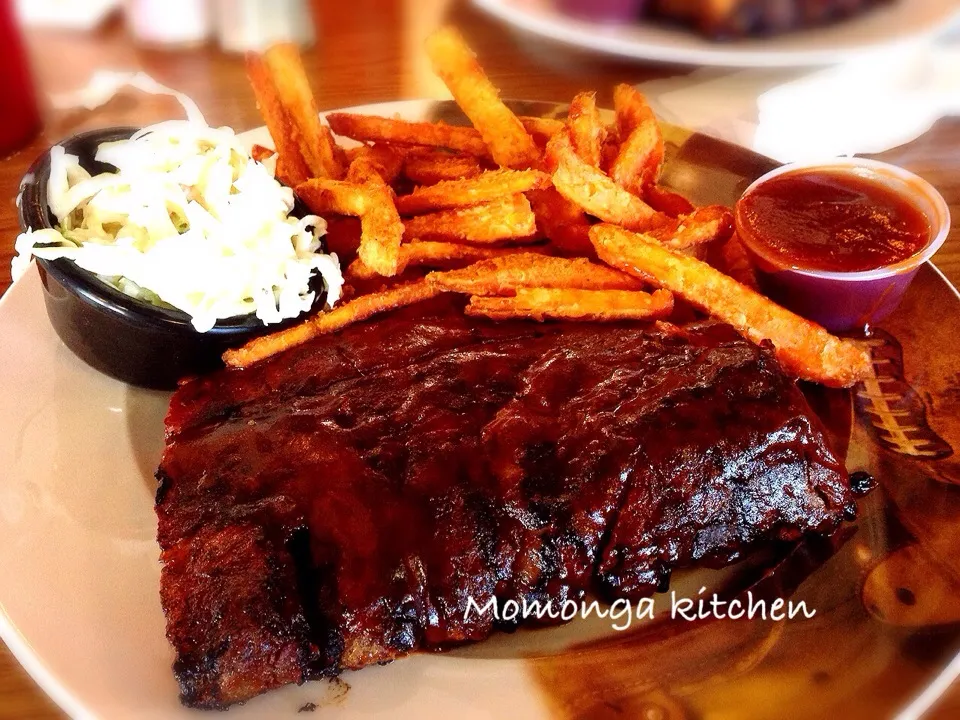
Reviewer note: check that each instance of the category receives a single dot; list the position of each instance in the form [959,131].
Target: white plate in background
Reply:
[903,21]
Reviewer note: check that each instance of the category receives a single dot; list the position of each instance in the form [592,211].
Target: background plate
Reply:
[79,587]
[886,27]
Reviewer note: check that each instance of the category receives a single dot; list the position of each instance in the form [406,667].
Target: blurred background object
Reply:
[169,22]
[253,24]
[603,11]
[68,14]
[730,33]
[19,117]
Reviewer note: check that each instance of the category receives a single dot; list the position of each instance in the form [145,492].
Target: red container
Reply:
[19,117]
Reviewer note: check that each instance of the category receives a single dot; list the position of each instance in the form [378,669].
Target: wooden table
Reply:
[366,51]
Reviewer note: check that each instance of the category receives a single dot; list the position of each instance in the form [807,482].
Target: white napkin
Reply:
[879,101]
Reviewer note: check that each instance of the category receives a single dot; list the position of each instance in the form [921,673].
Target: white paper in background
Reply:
[71,14]
[876,102]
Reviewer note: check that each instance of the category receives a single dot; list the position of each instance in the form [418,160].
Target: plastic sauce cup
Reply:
[841,301]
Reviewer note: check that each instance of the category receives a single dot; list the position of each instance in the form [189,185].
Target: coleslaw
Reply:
[188,221]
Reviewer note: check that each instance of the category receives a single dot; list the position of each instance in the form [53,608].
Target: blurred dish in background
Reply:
[721,19]
[893,24]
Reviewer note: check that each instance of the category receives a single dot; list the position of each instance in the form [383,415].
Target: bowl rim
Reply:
[940,221]
[34,213]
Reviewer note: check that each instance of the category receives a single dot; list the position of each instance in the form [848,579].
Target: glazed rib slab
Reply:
[337,506]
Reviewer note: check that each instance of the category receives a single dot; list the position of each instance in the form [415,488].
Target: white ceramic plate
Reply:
[887,26]
[79,573]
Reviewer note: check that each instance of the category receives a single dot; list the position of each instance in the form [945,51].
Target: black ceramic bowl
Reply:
[124,337]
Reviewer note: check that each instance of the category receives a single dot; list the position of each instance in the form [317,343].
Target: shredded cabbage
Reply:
[187,221]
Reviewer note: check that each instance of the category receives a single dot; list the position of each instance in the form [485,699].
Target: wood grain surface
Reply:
[366,51]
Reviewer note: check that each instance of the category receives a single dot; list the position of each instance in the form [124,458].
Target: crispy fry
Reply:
[368,128]
[586,129]
[711,224]
[489,186]
[543,303]
[381,160]
[561,222]
[334,196]
[380,228]
[734,261]
[803,348]
[597,194]
[467,140]
[292,168]
[331,321]
[381,232]
[261,153]
[504,275]
[312,136]
[610,149]
[642,150]
[434,254]
[667,201]
[510,144]
[508,219]
[429,168]
[542,129]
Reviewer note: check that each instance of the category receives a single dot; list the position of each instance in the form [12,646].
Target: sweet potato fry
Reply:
[431,167]
[586,129]
[667,201]
[334,196]
[610,149]
[489,186]
[312,136]
[550,303]
[504,275]
[331,321]
[381,232]
[542,129]
[381,160]
[261,153]
[508,219]
[368,128]
[711,224]
[641,154]
[510,144]
[380,228]
[563,223]
[597,194]
[434,254]
[292,168]
[803,348]
[734,261]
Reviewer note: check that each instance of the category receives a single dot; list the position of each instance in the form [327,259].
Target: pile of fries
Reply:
[528,217]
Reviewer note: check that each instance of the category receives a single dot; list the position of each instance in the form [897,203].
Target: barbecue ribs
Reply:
[337,505]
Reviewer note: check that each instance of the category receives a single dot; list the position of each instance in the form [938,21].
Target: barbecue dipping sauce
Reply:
[832,220]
